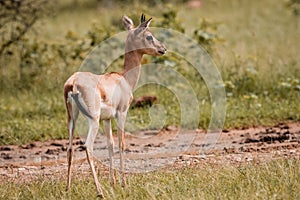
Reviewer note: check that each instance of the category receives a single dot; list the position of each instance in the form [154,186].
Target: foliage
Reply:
[206,34]
[170,20]
[294,5]
[17,18]
[262,85]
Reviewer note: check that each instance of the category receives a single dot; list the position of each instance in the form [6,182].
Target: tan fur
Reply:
[108,96]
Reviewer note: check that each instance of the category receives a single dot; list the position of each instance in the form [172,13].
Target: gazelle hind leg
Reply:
[72,117]
[110,144]
[89,144]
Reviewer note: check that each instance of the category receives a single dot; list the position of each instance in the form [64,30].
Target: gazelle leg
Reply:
[93,129]
[91,163]
[110,144]
[121,122]
[72,117]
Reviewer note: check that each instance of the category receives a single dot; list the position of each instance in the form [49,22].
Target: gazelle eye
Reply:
[149,38]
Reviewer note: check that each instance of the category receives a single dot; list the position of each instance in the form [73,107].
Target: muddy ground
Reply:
[153,150]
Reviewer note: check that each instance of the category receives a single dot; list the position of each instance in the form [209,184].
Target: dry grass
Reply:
[273,180]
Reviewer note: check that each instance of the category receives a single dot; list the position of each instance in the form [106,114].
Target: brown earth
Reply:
[153,150]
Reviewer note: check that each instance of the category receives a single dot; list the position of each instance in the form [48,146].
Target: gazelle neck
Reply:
[132,66]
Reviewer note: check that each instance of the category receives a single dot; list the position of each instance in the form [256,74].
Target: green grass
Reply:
[258,60]
[31,117]
[277,179]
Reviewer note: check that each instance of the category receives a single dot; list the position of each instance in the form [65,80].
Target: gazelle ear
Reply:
[127,22]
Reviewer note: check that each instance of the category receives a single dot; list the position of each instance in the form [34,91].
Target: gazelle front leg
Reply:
[121,118]
[110,144]
[89,144]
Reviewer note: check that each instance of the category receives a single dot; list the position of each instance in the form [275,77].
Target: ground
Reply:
[151,150]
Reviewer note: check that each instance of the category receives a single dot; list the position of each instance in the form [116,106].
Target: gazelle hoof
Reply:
[101,196]
[123,184]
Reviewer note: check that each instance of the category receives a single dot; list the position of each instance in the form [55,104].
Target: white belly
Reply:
[107,112]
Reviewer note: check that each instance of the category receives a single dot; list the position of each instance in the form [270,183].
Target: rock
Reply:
[171,128]
[184,157]
[56,144]
[5,148]
[143,101]
[6,156]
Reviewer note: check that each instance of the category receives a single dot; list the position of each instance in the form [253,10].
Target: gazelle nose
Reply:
[162,50]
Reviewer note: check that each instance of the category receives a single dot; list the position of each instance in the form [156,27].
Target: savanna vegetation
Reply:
[255,45]
[275,180]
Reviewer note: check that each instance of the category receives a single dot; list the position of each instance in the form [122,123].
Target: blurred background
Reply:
[255,45]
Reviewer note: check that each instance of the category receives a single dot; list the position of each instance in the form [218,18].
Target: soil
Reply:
[153,150]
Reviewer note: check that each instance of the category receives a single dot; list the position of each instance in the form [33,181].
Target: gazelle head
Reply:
[140,39]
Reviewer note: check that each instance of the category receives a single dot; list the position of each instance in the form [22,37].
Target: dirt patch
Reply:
[152,150]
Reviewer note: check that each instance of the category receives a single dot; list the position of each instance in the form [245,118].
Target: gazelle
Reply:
[108,96]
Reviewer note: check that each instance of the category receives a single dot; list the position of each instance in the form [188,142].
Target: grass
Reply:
[258,61]
[278,179]
[28,118]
